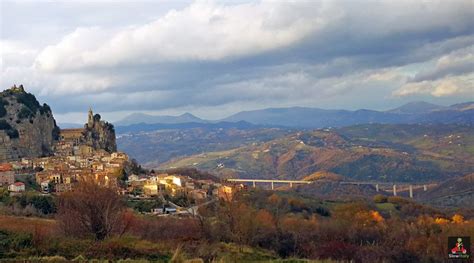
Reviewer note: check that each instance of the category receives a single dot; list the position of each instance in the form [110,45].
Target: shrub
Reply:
[25,113]
[28,100]
[45,109]
[397,200]
[11,132]
[380,198]
[91,210]
[3,110]
[14,241]
[4,125]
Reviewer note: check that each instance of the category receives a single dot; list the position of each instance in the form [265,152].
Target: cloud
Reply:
[219,55]
[451,75]
[202,31]
[440,88]
[458,62]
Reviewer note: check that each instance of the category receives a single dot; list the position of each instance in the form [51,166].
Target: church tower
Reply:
[90,120]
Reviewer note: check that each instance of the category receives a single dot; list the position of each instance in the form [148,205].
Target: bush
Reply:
[56,132]
[11,132]
[45,109]
[4,125]
[91,210]
[397,200]
[3,110]
[43,204]
[380,198]
[144,206]
[120,248]
[14,241]
[25,113]
[28,100]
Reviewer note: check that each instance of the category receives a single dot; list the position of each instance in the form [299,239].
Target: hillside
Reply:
[27,129]
[393,153]
[417,107]
[324,176]
[456,192]
[444,142]
[166,142]
[335,191]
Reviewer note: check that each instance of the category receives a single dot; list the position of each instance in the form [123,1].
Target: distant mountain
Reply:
[463,106]
[136,118]
[417,107]
[65,125]
[415,112]
[144,127]
[311,118]
[302,117]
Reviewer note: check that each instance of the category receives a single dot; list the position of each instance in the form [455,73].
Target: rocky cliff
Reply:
[27,129]
[99,134]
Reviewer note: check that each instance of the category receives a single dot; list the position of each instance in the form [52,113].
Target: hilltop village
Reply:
[89,154]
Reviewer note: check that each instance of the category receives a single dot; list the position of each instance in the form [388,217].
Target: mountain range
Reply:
[304,117]
[136,118]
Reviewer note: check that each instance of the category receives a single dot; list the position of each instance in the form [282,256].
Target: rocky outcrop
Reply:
[99,134]
[27,129]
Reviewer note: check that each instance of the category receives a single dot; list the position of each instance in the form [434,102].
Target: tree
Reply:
[91,210]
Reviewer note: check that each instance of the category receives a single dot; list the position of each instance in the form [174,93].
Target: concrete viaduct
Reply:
[378,185]
[272,182]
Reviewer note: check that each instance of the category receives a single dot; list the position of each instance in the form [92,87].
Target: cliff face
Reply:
[27,129]
[99,134]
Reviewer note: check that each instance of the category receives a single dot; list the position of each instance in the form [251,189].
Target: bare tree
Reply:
[91,210]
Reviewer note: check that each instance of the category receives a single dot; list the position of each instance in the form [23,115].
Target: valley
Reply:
[373,152]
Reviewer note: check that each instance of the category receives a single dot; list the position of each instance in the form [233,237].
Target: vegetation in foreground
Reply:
[93,223]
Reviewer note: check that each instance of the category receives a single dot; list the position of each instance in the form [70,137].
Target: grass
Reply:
[25,224]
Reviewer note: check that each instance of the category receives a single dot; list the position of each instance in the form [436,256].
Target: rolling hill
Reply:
[401,153]
[456,192]
[159,143]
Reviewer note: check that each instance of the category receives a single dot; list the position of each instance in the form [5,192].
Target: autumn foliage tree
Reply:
[92,210]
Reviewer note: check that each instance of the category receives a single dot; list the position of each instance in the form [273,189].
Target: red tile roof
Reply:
[5,167]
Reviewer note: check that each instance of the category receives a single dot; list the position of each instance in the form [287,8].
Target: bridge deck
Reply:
[268,181]
[341,182]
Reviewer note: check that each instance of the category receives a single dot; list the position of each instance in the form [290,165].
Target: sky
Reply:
[216,58]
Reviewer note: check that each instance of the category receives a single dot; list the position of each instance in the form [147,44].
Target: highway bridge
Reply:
[395,187]
[271,181]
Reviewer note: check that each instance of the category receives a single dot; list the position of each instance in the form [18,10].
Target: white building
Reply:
[16,187]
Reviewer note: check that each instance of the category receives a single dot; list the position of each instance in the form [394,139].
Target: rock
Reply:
[99,134]
[27,129]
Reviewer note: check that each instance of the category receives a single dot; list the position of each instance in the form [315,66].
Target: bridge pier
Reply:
[253,182]
[394,190]
[425,188]
[272,186]
[291,184]
[376,187]
[411,191]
